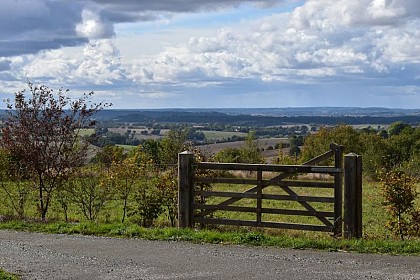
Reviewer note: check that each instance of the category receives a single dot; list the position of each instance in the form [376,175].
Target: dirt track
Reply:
[47,256]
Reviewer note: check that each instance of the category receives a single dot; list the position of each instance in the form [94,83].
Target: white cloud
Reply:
[92,27]
[321,42]
[98,63]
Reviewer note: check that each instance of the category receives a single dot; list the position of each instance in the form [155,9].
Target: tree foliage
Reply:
[174,142]
[248,153]
[87,190]
[14,183]
[42,130]
[399,194]
[126,174]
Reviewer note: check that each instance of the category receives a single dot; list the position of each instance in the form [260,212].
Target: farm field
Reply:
[220,135]
[263,143]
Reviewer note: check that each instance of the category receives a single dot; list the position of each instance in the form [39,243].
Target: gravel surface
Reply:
[52,256]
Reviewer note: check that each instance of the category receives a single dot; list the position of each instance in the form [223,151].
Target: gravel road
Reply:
[52,256]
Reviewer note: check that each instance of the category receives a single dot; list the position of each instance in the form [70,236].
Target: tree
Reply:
[125,175]
[295,142]
[250,152]
[109,154]
[42,130]
[88,192]
[167,185]
[316,144]
[232,155]
[174,142]
[153,149]
[396,128]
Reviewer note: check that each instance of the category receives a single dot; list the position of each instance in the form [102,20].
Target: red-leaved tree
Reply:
[42,130]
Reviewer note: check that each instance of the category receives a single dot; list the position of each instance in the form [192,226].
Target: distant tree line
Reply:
[180,117]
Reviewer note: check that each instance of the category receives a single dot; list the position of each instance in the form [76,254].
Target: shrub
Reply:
[400,194]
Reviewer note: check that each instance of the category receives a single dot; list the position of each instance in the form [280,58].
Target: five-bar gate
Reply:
[194,206]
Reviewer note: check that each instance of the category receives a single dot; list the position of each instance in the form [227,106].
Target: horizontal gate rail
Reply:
[268,168]
[268,210]
[290,183]
[266,196]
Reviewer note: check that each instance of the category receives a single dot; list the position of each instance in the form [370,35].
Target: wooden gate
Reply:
[198,204]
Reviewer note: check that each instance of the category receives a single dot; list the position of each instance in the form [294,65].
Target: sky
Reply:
[215,53]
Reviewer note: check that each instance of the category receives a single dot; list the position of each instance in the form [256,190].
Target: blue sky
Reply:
[216,53]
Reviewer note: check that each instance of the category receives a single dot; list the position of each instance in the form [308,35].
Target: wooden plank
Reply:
[227,208]
[226,194]
[338,191]
[268,168]
[185,189]
[239,181]
[290,183]
[259,197]
[264,224]
[299,198]
[352,196]
[305,184]
[267,210]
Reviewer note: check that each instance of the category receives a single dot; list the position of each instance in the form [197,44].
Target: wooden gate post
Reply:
[185,190]
[352,196]
[338,190]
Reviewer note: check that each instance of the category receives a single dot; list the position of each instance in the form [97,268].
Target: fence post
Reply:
[338,190]
[352,196]
[185,190]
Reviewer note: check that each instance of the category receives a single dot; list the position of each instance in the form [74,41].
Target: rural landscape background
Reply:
[127,171]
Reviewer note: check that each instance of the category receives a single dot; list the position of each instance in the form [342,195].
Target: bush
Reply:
[399,193]
[148,204]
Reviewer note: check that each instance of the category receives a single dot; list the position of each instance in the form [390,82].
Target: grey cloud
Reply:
[178,5]
[29,26]
[14,48]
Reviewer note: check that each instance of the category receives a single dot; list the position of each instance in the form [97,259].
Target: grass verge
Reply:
[7,276]
[250,238]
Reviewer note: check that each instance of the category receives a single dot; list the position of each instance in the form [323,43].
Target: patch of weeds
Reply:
[253,238]
[7,276]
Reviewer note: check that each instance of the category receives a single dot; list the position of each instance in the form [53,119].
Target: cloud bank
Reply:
[367,46]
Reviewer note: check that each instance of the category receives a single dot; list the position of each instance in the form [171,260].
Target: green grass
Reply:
[239,237]
[7,276]
[376,238]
